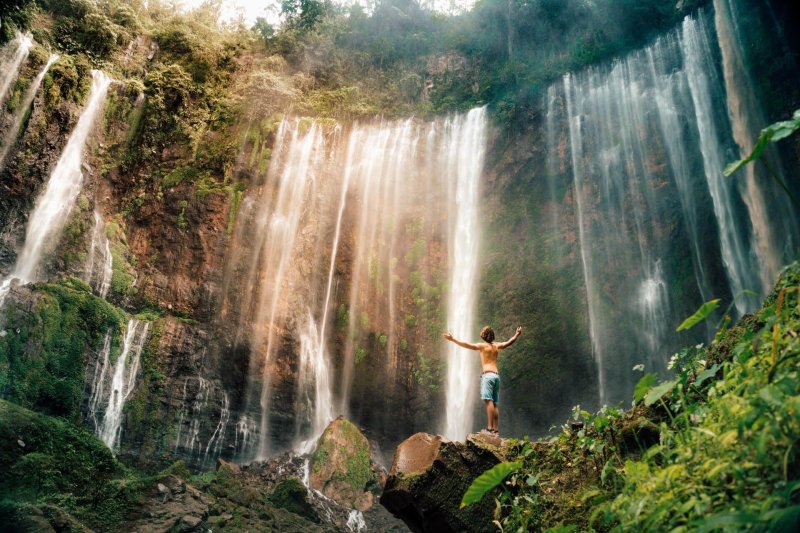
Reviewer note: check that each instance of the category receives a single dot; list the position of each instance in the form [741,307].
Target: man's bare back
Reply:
[490,379]
[489,350]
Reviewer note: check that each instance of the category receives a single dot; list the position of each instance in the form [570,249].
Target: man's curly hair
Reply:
[487,334]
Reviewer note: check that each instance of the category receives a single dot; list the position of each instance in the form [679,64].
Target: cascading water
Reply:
[54,204]
[123,380]
[648,138]
[15,54]
[392,204]
[21,111]
[463,156]
[99,263]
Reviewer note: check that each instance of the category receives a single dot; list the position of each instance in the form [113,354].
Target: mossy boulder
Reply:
[292,495]
[341,467]
[429,476]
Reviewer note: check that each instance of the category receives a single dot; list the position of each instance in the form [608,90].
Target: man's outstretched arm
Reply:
[512,340]
[468,346]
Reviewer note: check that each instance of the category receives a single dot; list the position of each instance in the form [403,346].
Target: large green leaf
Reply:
[644,385]
[772,133]
[487,481]
[705,374]
[656,393]
[701,314]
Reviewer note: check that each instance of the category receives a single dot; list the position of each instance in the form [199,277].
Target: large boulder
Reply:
[429,476]
[342,469]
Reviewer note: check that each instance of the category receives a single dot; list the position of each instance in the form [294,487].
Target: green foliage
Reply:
[701,314]
[772,133]
[360,354]
[643,386]
[708,453]
[487,481]
[428,372]
[43,352]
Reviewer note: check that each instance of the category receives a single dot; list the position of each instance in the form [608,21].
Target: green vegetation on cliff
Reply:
[43,347]
[716,447]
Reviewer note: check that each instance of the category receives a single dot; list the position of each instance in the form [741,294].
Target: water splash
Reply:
[13,56]
[55,203]
[123,380]
[10,137]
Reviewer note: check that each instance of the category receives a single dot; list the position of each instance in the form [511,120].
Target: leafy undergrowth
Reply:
[715,448]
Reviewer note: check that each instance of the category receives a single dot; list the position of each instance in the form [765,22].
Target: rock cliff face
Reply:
[429,477]
[177,171]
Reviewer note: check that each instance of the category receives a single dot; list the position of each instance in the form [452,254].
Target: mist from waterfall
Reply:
[342,286]
[53,206]
[648,138]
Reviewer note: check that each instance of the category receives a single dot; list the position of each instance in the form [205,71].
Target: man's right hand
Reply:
[519,331]
[448,336]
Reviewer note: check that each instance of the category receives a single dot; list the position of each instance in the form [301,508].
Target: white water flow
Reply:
[10,137]
[648,138]
[747,120]
[342,288]
[704,88]
[99,381]
[380,163]
[464,156]
[54,204]
[14,54]
[99,263]
[123,380]
[292,172]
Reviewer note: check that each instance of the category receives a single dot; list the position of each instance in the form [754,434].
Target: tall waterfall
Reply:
[463,156]
[13,55]
[54,204]
[344,287]
[21,111]
[659,229]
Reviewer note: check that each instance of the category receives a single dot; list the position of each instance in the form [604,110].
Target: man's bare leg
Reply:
[496,420]
[489,413]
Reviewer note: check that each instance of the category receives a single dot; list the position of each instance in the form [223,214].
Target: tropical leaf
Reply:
[772,133]
[644,385]
[736,520]
[705,374]
[656,393]
[787,519]
[701,314]
[487,481]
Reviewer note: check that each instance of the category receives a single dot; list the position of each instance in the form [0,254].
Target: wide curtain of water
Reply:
[364,250]
[659,228]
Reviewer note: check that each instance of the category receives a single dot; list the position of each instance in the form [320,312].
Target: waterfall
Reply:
[341,288]
[14,54]
[97,394]
[54,204]
[21,111]
[99,263]
[123,380]
[648,138]
[463,156]
[747,119]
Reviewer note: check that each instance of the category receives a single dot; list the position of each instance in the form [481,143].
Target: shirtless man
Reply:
[490,379]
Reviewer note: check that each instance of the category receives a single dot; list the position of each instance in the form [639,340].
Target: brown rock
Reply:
[429,476]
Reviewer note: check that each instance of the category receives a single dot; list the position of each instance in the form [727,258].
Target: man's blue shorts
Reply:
[490,387]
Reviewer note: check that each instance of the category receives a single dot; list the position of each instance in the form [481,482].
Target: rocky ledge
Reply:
[429,476]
